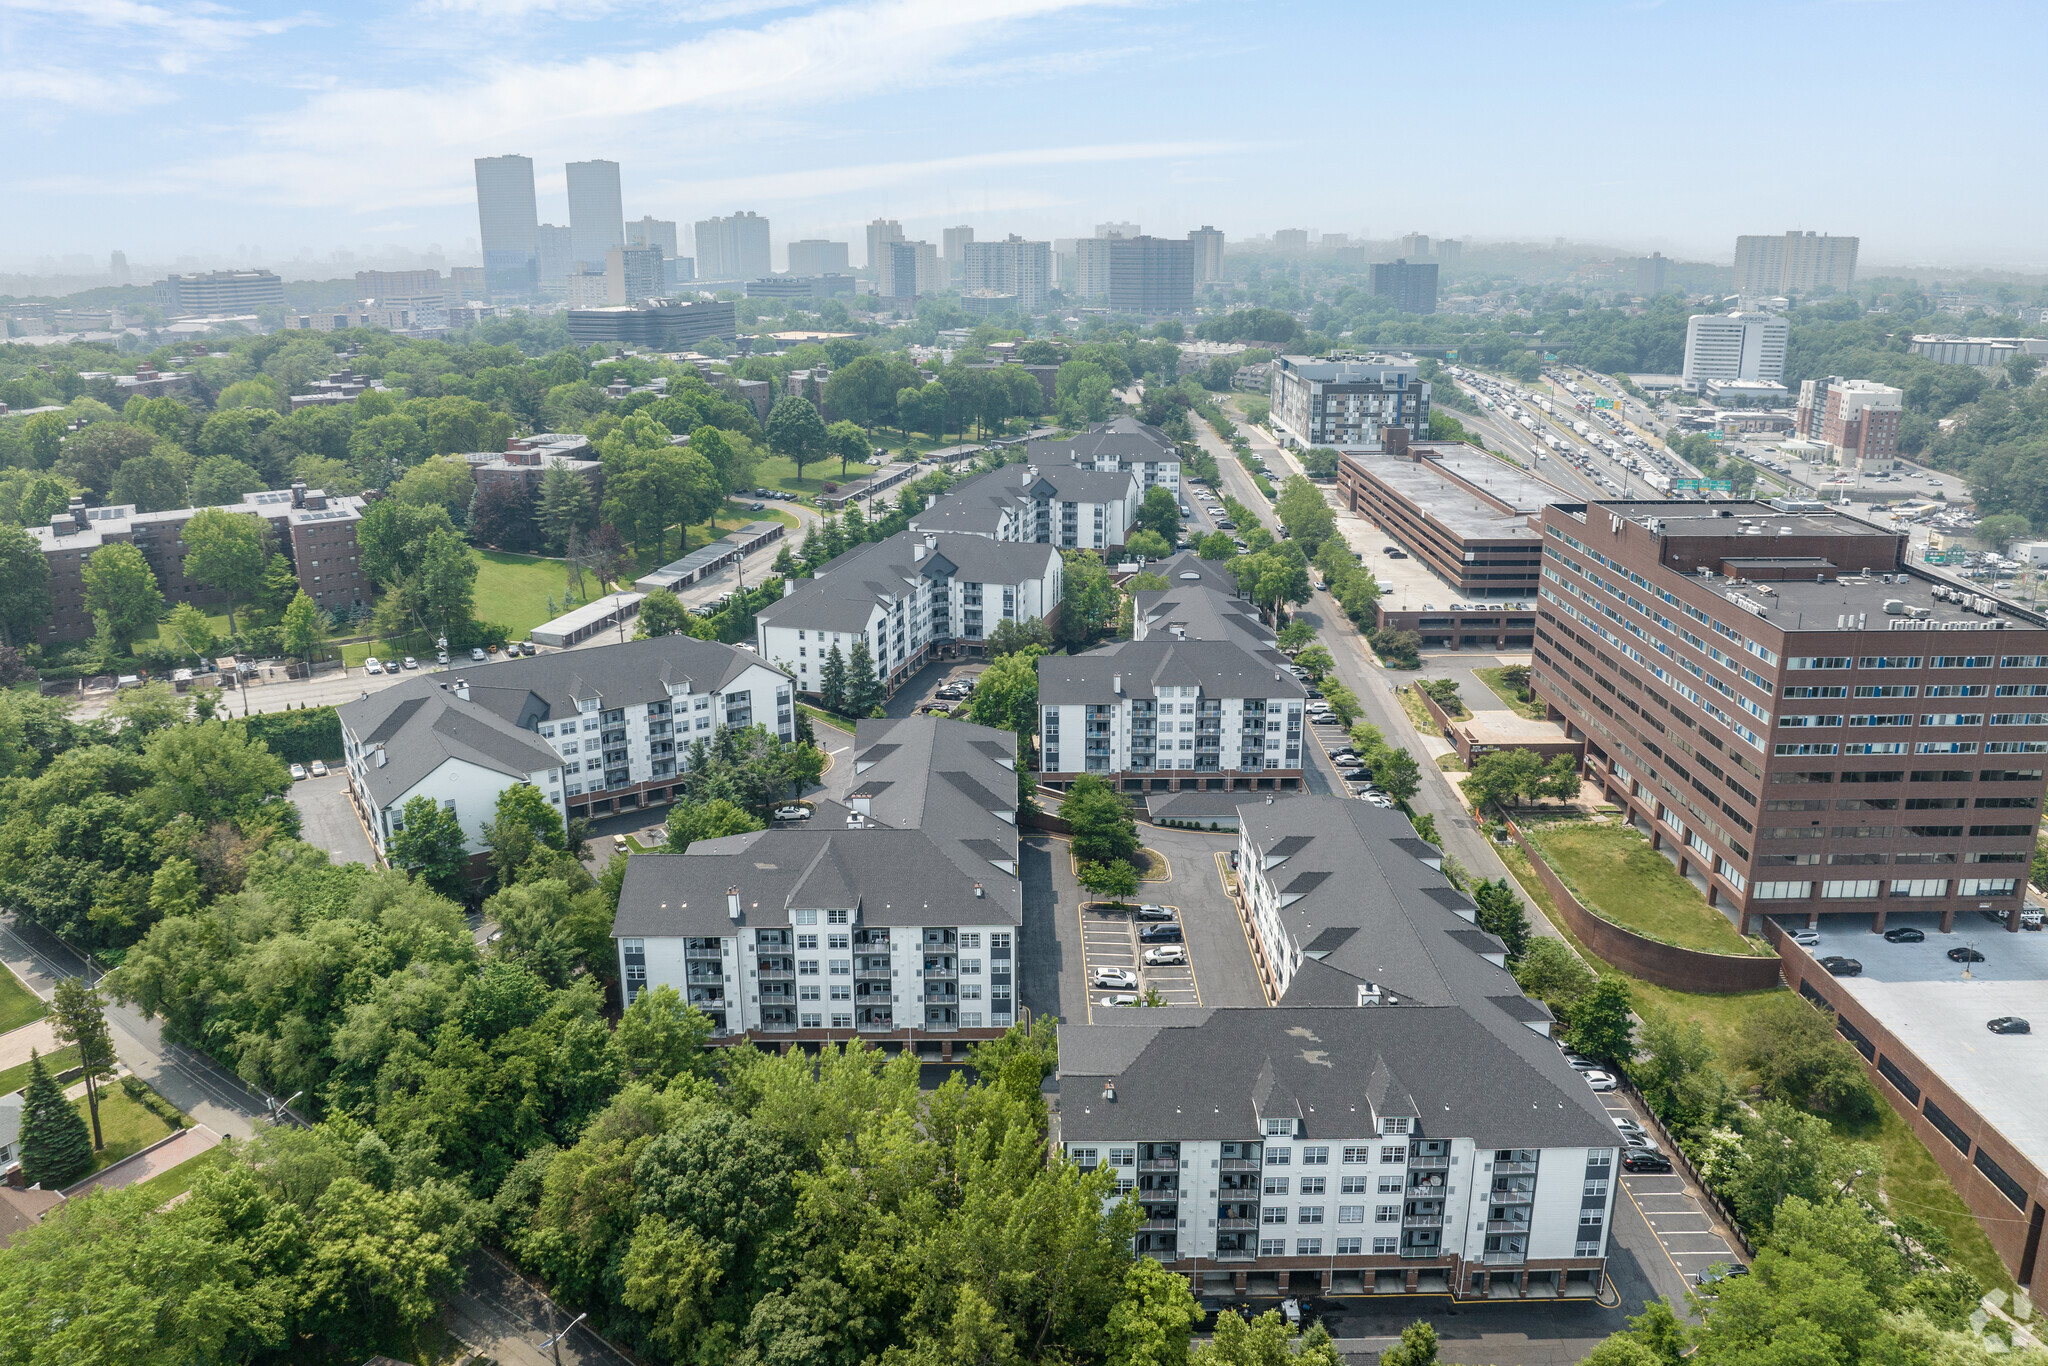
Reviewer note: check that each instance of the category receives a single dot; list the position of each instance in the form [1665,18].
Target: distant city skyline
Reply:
[187,130]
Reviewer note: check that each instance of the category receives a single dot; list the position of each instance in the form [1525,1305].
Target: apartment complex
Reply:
[597,731]
[1064,505]
[893,917]
[507,224]
[1011,266]
[814,256]
[634,274]
[1348,402]
[1166,714]
[660,326]
[1733,346]
[1201,602]
[881,232]
[220,291]
[527,459]
[1397,1123]
[1798,262]
[908,596]
[907,270]
[1857,419]
[315,532]
[1208,254]
[953,246]
[732,248]
[1150,275]
[1738,672]
[1412,287]
[1120,445]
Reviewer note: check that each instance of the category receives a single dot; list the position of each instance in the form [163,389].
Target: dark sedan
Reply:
[1965,955]
[1159,934]
[1838,966]
[1908,935]
[1644,1160]
[2010,1024]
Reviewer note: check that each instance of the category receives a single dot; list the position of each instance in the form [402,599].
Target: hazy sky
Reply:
[185,126]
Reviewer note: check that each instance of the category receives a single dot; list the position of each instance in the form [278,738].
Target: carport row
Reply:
[1109,941]
[1681,1226]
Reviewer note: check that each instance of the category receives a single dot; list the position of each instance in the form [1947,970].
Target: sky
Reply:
[248,134]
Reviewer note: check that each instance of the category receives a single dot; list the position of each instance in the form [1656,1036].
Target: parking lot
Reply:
[1109,942]
[920,690]
[1676,1217]
[327,819]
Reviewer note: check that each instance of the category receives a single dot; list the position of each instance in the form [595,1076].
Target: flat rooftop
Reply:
[1802,604]
[1416,588]
[1682,517]
[1422,483]
[1942,1015]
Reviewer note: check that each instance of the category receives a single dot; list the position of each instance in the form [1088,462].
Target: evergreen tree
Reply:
[78,1017]
[863,690]
[565,505]
[832,681]
[56,1149]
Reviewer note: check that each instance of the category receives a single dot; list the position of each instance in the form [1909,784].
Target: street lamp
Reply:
[554,1342]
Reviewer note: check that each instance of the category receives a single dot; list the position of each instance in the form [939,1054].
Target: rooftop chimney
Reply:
[462,688]
[298,493]
[732,903]
[978,893]
[1394,441]
[1116,684]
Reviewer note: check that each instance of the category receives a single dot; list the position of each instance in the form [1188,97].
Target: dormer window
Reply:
[1280,1128]
[1394,1124]
[587,704]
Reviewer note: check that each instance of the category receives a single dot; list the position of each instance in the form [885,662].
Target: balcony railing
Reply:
[776,1028]
[1158,1225]
[878,1027]
[871,974]
[939,974]
[778,974]
[1413,1254]
[1514,1168]
[1422,1221]
[941,1028]
[1507,1225]
[712,954]
[1503,1258]
[1233,1254]
[1160,1164]
[1510,1197]
[1237,1225]
[1238,1164]
[1428,1163]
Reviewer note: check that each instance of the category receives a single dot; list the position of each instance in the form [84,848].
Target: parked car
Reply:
[1579,1064]
[1965,955]
[1233,860]
[411,663]
[476,652]
[298,773]
[373,665]
[1644,1160]
[1166,955]
[792,813]
[319,768]
[1719,1272]
[1599,1081]
[1151,911]
[757,507]
[1806,939]
[1160,934]
[1347,761]
[1378,799]
[440,656]
[1839,966]
[2010,1024]
[1634,1134]
[1905,935]
[1122,999]
[1113,977]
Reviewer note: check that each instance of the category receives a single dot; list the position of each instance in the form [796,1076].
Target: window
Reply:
[835,917]
[1123,1157]
[807,941]
[1276,1185]
[1351,1214]
[1393,1154]
[1986,886]
[807,918]
[1308,1247]
[1394,1124]
[807,992]
[1314,1185]
[1272,1247]
[1349,1247]
[1315,1157]
[1381,1246]
[842,991]
[838,941]
[807,967]
[1279,1157]
[1358,1154]
[1925,886]
[842,967]
[810,1021]
[1386,1214]
[1082,1157]
[1273,1214]
[1353,1185]
[1279,1128]
[970,941]
[1309,1214]
[1390,1185]
[1848,891]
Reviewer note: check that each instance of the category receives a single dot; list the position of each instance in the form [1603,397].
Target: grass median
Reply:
[1615,872]
[18,1005]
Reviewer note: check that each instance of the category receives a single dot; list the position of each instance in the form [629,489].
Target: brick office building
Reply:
[1816,726]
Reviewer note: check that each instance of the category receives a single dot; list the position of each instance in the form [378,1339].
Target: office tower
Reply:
[1291,240]
[880,232]
[815,256]
[1415,244]
[1449,249]
[952,247]
[1151,275]
[220,291]
[589,289]
[597,219]
[908,270]
[1650,274]
[1746,805]
[506,219]
[467,283]
[1411,287]
[1011,266]
[734,248]
[555,251]
[1208,254]
[1090,275]
[117,268]
[1117,229]
[1334,241]
[634,274]
[1734,346]
[1795,263]
[420,292]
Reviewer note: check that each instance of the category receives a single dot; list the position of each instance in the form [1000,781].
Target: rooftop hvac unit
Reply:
[1894,607]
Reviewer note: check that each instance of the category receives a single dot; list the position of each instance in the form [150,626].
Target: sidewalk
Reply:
[40,1036]
[130,1171]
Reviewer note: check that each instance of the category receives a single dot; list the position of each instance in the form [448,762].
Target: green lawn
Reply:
[1616,873]
[217,620]
[14,1078]
[1418,713]
[778,472]
[165,1187]
[128,1127]
[1518,700]
[18,1005]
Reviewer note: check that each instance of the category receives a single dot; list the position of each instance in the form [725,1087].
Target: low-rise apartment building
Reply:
[597,731]
[1856,419]
[315,532]
[1122,445]
[909,596]
[1814,724]
[1399,1122]
[1170,715]
[1048,503]
[1347,402]
[893,917]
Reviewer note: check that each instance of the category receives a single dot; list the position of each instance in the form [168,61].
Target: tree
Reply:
[1503,778]
[864,389]
[523,824]
[1797,1057]
[647,490]
[500,514]
[78,1017]
[1115,879]
[1501,914]
[447,583]
[430,845]
[24,586]
[864,691]
[121,594]
[1601,1027]
[1343,702]
[1317,661]
[1417,1346]
[832,681]
[1151,1320]
[301,630]
[56,1148]
[663,614]
[93,456]
[154,482]
[1147,545]
[1784,1154]
[849,443]
[1160,513]
[1307,517]
[689,822]
[566,505]
[662,1038]
[1674,1069]
[796,432]
[443,479]
[1295,636]
[392,538]
[2001,529]
[1088,599]
[1552,973]
[732,457]
[210,773]
[1268,1340]
[226,552]
[222,479]
[1006,697]
[1012,635]
[1217,545]
[1103,830]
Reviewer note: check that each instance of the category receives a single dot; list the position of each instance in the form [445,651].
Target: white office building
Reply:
[732,248]
[506,223]
[1011,266]
[597,218]
[1733,346]
[1345,402]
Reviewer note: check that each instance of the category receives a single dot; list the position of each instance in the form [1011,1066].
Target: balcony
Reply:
[1418,1254]
[699,955]
[1514,1169]
[695,977]
[871,974]
[1507,1225]
[1419,1162]
[776,1028]
[1239,1164]
[1233,1254]
[1160,1164]
[1422,1221]
[934,973]
[1503,1258]
[1510,1197]
[877,1027]
[1159,1226]
[778,974]
[1237,1225]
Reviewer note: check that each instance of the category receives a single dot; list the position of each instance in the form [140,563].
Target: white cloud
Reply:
[171,37]
[376,149]
[54,87]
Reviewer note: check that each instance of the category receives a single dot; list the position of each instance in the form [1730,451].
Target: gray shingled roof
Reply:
[421,728]
[1218,667]
[1124,439]
[1192,1076]
[976,505]
[847,588]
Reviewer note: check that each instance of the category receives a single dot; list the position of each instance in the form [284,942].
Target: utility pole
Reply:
[554,1342]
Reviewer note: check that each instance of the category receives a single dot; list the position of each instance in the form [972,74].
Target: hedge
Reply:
[299,737]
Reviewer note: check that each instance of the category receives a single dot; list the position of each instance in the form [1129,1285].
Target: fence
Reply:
[1665,965]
